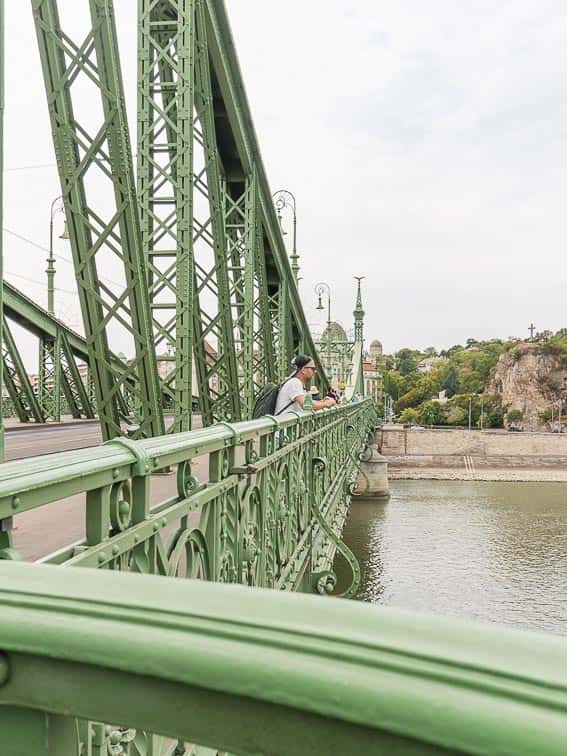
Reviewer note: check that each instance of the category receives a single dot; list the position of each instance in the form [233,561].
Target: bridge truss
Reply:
[202,285]
[206,283]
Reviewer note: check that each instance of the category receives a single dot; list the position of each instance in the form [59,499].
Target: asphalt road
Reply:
[46,439]
[33,440]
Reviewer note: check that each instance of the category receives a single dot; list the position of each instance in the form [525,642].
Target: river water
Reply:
[495,552]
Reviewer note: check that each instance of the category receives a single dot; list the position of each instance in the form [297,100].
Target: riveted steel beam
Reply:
[238,123]
[166,62]
[17,382]
[98,235]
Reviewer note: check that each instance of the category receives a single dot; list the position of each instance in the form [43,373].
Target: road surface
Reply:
[33,440]
[46,439]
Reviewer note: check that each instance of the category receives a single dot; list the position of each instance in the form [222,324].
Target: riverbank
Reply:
[507,475]
[447,454]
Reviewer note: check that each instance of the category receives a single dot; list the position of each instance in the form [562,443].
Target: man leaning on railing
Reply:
[292,394]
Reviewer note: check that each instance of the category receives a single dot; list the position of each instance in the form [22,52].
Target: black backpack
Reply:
[266,400]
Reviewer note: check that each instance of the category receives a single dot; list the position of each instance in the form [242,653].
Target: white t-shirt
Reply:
[288,393]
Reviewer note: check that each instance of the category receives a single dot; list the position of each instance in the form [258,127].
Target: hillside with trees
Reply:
[433,387]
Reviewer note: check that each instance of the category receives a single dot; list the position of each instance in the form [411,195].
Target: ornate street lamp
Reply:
[56,207]
[284,198]
[320,289]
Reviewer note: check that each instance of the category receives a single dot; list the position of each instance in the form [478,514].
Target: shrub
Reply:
[457,416]
[515,416]
[516,355]
[409,415]
[430,413]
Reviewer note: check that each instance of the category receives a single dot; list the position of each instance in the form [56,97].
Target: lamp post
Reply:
[320,289]
[56,207]
[284,198]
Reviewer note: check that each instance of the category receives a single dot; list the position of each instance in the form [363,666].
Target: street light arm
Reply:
[282,199]
[287,193]
[55,201]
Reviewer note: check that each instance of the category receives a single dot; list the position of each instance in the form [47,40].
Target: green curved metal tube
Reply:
[256,671]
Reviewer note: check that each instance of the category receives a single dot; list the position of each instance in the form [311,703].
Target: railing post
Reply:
[30,731]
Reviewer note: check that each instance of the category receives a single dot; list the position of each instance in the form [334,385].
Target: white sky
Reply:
[425,143]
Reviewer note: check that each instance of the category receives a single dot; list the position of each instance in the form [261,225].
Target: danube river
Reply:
[495,552]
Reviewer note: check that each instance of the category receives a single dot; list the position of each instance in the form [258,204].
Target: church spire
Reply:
[358,312]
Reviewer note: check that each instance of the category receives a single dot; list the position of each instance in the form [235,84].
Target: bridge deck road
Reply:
[46,529]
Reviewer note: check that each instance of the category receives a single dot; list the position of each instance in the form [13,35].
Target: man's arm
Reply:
[317,403]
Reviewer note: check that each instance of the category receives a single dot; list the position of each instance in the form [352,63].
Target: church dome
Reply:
[337,332]
[376,347]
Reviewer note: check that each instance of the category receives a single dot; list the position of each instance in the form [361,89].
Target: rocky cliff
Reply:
[531,378]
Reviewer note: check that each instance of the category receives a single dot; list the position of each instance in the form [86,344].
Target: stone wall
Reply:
[398,442]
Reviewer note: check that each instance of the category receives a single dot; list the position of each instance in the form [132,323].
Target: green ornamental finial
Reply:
[358,311]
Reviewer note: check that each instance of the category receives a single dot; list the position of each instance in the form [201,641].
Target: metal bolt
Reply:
[164,522]
[102,557]
[15,502]
[155,527]
[115,472]
[136,539]
[115,549]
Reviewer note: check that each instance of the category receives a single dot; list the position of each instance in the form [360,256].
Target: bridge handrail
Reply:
[206,662]
[260,502]
[38,480]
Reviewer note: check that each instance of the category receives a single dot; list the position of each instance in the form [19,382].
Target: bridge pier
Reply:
[372,481]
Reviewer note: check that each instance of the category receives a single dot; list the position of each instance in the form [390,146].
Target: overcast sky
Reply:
[426,144]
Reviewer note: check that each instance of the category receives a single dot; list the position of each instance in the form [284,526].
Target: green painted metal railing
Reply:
[260,502]
[260,672]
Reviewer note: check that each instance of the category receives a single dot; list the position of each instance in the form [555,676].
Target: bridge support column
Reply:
[372,481]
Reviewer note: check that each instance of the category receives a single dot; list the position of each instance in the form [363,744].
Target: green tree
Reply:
[471,382]
[391,381]
[430,413]
[427,387]
[494,419]
[457,416]
[409,415]
[451,381]
[406,360]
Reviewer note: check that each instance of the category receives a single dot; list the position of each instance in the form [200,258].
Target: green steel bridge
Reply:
[131,657]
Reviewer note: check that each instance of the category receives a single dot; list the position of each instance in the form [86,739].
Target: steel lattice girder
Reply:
[50,376]
[240,147]
[95,239]
[207,99]
[166,45]
[16,380]
[235,282]
[59,376]
[74,389]
[175,119]
[29,315]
